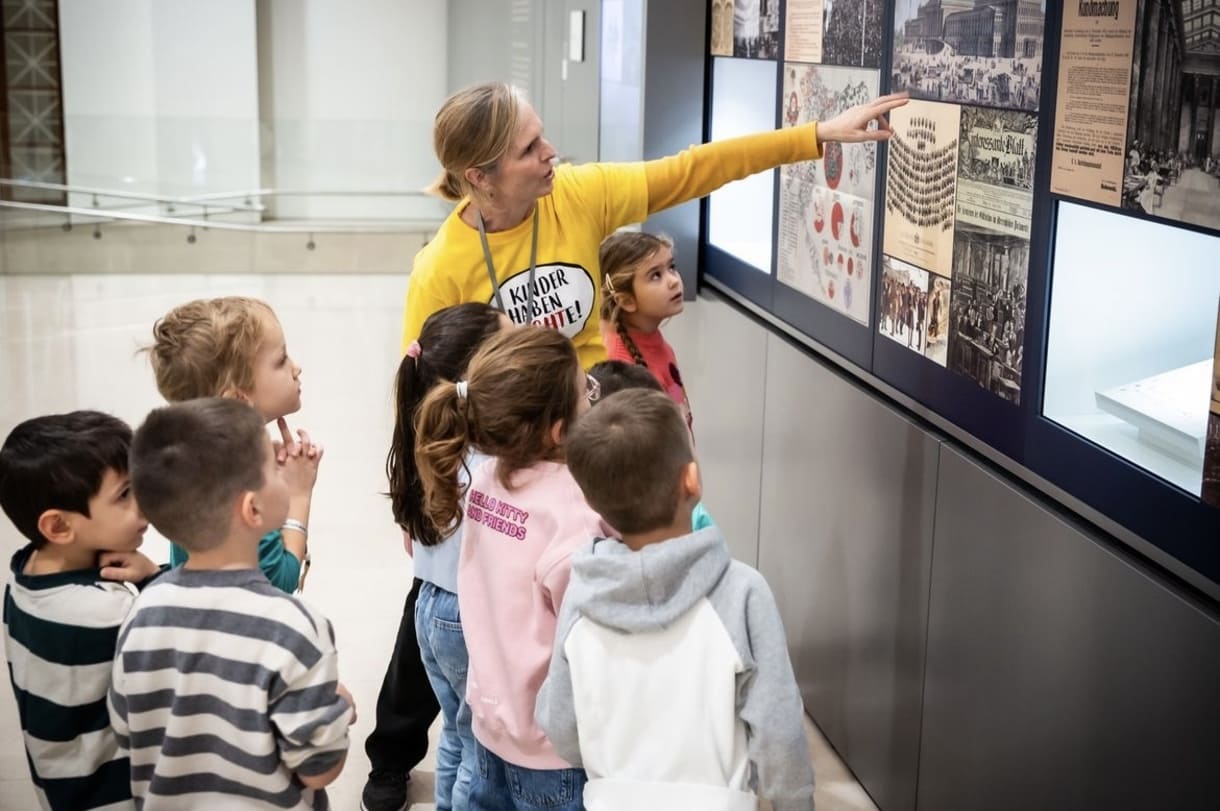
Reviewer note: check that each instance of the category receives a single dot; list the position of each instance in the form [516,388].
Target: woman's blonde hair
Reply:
[620,257]
[473,130]
[208,347]
[513,394]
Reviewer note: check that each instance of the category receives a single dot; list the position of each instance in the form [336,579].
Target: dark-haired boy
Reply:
[64,485]
[666,606]
[225,689]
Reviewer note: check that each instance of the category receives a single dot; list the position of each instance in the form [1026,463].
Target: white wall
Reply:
[348,94]
[160,95]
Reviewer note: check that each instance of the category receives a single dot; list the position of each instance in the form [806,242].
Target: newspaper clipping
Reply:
[1095,58]
[921,179]
[996,170]
[826,207]
[970,51]
[722,28]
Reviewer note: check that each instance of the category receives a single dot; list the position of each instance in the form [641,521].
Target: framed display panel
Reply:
[1129,363]
[964,310]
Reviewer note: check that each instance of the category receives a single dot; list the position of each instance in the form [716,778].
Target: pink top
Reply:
[660,358]
[516,560]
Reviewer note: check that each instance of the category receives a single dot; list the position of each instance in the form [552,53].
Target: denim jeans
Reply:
[442,647]
[501,786]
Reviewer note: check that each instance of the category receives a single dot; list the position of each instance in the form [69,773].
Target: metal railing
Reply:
[212,204]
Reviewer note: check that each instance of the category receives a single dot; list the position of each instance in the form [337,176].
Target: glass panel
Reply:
[1132,334]
[742,213]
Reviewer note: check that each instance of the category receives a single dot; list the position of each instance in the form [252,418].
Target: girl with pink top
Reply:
[642,291]
[524,516]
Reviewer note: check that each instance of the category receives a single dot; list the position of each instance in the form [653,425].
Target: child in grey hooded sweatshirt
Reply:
[670,682]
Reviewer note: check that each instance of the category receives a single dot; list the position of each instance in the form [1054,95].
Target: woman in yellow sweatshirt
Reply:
[525,233]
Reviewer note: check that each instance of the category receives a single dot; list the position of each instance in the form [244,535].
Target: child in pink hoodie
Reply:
[524,516]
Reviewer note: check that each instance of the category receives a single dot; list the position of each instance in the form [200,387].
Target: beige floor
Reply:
[70,342]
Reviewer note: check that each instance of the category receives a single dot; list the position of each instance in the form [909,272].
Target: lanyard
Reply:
[491,268]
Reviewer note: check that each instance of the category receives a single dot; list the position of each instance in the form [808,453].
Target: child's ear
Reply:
[626,302]
[248,511]
[558,429]
[57,527]
[692,482]
[235,394]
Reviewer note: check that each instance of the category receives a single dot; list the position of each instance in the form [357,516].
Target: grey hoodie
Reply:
[671,684]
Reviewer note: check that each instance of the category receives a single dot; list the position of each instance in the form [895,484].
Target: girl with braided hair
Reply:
[642,290]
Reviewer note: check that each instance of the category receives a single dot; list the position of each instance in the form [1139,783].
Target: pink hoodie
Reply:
[516,560]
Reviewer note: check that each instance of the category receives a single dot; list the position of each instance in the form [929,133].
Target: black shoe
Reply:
[385,791]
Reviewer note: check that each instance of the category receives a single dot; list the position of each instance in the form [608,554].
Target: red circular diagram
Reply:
[855,229]
[830,289]
[836,220]
[850,266]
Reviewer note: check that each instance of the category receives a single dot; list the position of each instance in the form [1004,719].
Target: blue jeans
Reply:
[442,647]
[500,786]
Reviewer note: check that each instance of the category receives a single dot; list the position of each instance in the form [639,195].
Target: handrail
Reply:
[119,193]
[272,192]
[372,227]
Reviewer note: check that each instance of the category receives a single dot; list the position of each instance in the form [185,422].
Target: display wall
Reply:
[1033,258]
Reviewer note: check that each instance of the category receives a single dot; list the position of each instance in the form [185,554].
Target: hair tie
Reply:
[463,388]
[414,350]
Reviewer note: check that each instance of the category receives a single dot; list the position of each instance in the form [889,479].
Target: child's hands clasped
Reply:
[299,457]
[127,567]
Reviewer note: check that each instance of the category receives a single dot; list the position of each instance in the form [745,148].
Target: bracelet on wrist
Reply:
[298,526]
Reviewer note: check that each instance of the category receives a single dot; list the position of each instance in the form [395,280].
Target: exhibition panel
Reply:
[1033,254]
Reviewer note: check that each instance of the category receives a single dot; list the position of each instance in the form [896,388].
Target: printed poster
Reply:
[1211,451]
[826,206]
[1095,67]
[803,31]
[970,51]
[921,181]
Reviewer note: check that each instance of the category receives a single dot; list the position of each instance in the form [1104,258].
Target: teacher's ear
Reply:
[478,179]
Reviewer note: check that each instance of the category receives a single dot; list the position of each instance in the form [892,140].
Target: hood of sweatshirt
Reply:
[646,590]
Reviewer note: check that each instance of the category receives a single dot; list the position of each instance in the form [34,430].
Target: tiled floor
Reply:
[71,342]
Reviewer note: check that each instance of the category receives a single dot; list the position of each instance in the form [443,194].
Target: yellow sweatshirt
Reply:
[587,203]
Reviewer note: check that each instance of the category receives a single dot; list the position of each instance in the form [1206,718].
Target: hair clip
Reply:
[463,388]
[414,350]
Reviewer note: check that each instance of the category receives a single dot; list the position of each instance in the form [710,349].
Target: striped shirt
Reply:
[225,690]
[59,635]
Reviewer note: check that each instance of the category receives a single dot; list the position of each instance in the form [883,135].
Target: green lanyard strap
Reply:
[491,267]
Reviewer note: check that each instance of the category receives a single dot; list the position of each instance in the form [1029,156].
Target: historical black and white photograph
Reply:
[987,312]
[755,29]
[904,303]
[970,51]
[1172,160]
[852,32]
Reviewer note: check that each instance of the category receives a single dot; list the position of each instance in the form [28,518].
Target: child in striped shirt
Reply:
[225,689]
[64,485]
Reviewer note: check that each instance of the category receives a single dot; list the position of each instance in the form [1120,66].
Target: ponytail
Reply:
[447,186]
[448,340]
[442,432]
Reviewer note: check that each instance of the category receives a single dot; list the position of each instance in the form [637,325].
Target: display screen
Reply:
[1132,338]
[742,214]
